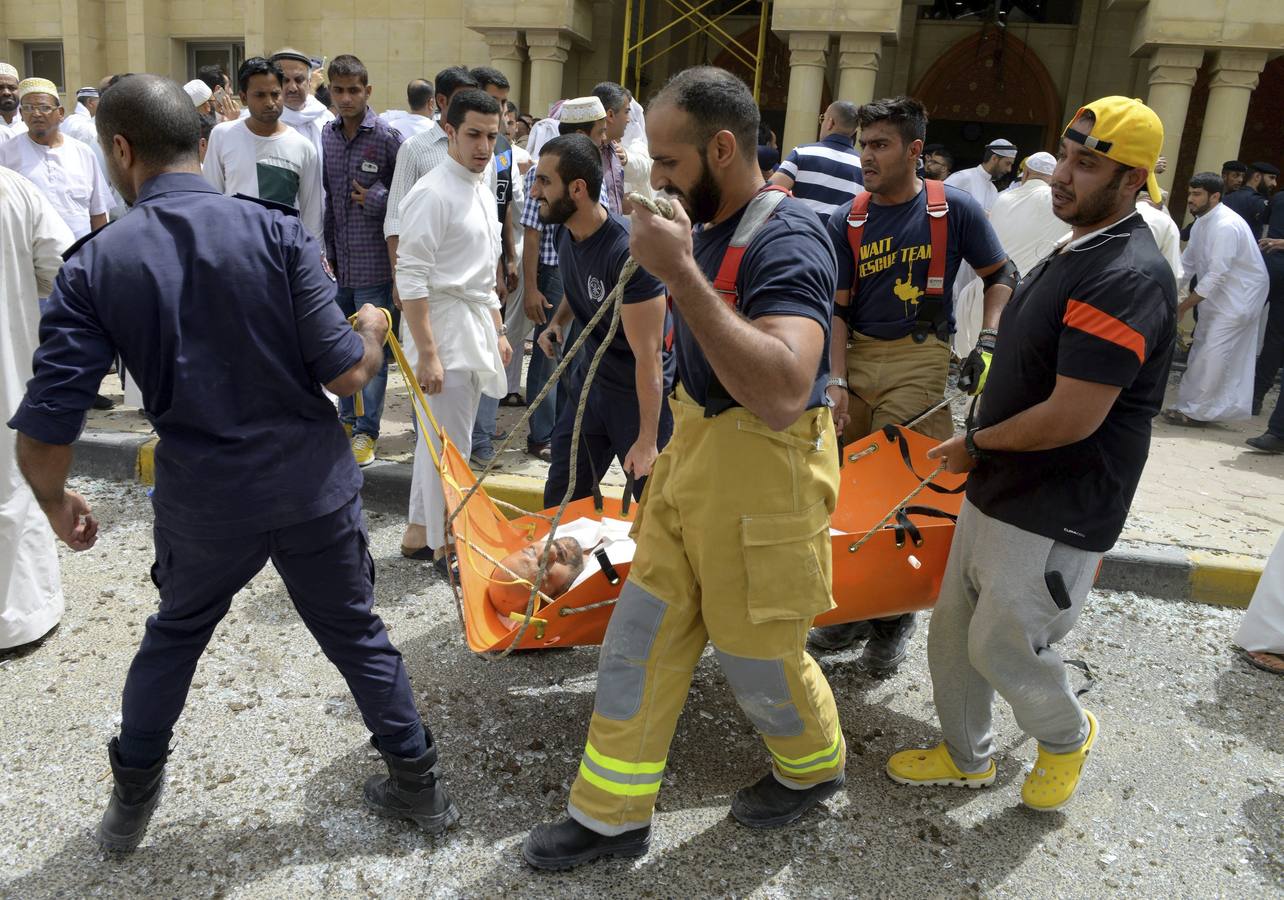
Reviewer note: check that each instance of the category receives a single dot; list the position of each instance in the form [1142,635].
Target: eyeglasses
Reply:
[37,110]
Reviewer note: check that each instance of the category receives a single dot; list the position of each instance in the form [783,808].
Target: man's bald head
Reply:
[155,117]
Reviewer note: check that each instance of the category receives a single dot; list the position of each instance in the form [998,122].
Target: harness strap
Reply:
[894,436]
[938,209]
[759,210]
[904,525]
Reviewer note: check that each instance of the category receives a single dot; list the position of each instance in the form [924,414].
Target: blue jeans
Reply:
[540,366]
[484,426]
[350,300]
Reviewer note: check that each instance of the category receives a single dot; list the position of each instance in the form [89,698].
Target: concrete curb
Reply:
[1158,570]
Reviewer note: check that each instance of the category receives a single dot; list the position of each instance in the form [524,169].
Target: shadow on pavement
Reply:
[1265,812]
[1247,705]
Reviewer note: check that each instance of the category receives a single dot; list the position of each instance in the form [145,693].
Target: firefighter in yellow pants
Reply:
[732,531]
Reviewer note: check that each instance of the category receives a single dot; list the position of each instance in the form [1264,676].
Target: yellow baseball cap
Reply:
[1125,130]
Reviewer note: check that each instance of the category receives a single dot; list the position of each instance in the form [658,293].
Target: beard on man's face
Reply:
[702,199]
[556,212]
[1098,205]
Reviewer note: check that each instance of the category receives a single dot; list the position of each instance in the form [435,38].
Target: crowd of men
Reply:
[849,272]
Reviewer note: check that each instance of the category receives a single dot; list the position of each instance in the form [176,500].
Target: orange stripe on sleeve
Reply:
[1089,319]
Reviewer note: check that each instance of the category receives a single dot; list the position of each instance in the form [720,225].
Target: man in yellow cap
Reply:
[1055,456]
[66,171]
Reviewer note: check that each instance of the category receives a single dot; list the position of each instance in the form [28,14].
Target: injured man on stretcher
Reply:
[579,552]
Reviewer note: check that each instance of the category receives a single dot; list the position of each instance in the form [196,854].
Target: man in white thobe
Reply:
[1000,156]
[1165,232]
[64,169]
[11,124]
[1231,296]
[32,238]
[80,124]
[1261,631]
[447,259]
[1027,229]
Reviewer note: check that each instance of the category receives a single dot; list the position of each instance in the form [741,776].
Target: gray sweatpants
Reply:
[1006,597]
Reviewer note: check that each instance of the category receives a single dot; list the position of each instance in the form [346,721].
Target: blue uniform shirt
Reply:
[787,270]
[590,269]
[896,249]
[222,312]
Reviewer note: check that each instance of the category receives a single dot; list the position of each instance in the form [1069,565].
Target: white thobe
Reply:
[408,124]
[977,182]
[1027,230]
[1218,384]
[308,121]
[1262,628]
[32,238]
[10,130]
[1166,234]
[68,175]
[448,253]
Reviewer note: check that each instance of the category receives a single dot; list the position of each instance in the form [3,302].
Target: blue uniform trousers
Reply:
[610,428]
[329,574]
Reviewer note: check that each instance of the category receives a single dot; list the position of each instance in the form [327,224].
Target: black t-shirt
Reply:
[787,270]
[590,269]
[1103,311]
[1275,230]
[504,169]
[896,250]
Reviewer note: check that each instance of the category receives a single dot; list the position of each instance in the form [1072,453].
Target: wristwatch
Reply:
[502,330]
[836,382]
[969,442]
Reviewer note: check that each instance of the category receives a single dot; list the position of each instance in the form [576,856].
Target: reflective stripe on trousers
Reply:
[756,503]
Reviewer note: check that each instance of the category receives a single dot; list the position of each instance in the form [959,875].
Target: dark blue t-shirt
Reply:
[787,270]
[896,249]
[590,269]
[230,332]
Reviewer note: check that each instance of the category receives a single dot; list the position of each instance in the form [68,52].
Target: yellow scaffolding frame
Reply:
[692,12]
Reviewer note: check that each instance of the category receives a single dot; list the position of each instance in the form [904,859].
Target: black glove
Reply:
[975,368]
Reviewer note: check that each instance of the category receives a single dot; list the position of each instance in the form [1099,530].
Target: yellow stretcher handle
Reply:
[418,402]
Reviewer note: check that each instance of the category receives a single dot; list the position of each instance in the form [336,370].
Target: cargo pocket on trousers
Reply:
[786,555]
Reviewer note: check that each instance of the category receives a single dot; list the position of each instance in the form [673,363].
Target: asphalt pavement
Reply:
[1183,795]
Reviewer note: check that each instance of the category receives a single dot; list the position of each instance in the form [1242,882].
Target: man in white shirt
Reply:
[1231,295]
[32,238]
[1165,232]
[1000,156]
[80,124]
[11,124]
[1027,229]
[419,97]
[65,170]
[258,156]
[302,112]
[448,256]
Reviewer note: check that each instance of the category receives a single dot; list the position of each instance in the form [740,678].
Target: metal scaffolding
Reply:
[636,37]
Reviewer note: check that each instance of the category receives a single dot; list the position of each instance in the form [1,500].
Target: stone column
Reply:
[1234,78]
[1172,75]
[265,27]
[508,53]
[806,85]
[858,56]
[549,49]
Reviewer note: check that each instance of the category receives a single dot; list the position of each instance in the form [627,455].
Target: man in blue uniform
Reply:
[624,417]
[231,334]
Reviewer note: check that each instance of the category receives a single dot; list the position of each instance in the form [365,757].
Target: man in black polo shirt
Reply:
[1056,454]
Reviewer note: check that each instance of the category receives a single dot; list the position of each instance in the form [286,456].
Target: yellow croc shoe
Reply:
[1052,782]
[363,449]
[934,767]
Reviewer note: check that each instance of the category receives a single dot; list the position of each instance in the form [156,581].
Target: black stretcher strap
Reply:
[608,569]
[894,436]
[905,526]
[626,500]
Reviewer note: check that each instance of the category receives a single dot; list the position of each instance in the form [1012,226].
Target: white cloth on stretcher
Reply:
[613,537]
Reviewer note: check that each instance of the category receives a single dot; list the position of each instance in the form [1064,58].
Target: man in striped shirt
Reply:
[826,173]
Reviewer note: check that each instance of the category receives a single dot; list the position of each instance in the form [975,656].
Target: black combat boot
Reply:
[567,844]
[888,644]
[833,638]
[769,804]
[411,790]
[133,797]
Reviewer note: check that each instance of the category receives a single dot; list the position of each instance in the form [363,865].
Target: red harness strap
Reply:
[938,221]
[725,282]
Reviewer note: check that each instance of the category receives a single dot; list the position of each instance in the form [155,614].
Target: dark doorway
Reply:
[967,140]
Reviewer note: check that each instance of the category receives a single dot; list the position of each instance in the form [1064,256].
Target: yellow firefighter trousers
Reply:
[891,382]
[733,548]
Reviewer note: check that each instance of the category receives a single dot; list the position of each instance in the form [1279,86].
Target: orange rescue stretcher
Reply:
[895,571]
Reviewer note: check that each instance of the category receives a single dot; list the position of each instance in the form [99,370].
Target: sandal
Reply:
[424,553]
[1173,417]
[1267,662]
